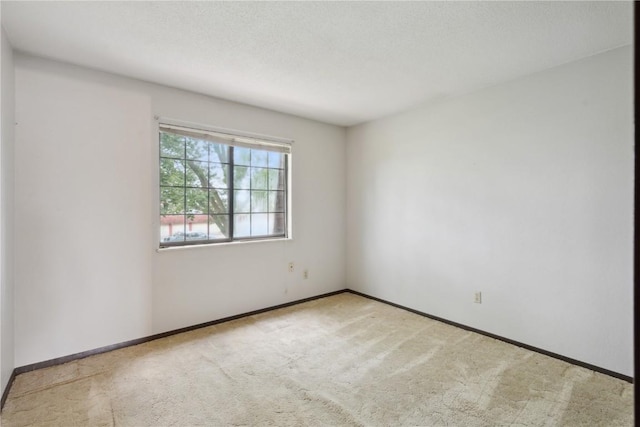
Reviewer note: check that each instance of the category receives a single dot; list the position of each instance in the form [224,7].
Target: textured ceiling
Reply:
[337,62]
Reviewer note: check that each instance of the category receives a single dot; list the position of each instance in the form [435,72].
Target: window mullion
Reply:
[184,208]
[231,196]
[286,195]
[209,213]
[196,203]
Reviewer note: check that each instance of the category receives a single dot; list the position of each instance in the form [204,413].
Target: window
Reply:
[217,187]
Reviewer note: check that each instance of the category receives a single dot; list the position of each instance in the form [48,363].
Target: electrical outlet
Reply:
[290,267]
[478,298]
[305,273]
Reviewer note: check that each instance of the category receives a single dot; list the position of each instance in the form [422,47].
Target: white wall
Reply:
[6,211]
[87,270]
[523,191]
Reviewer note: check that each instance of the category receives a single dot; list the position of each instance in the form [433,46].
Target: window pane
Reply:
[197,149]
[171,172]
[171,200]
[169,225]
[241,201]
[219,227]
[242,225]
[241,177]
[171,146]
[259,201]
[276,201]
[195,191]
[218,153]
[197,227]
[276,179]
[259,158]
[218,175]
[197,200]
[197,174]
[172,228]
[259,178]
[218,201]
[242,156]
[276,160]
[259,224]
[276,223]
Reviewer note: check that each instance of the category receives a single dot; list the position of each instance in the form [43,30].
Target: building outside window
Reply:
[219,187]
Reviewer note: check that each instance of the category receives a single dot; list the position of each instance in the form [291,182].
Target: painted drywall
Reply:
[523,191]
[87,270]
[7,110]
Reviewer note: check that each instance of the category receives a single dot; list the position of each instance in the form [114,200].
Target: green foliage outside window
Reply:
[196,191]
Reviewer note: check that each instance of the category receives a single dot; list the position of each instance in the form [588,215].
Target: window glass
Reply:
[214,192]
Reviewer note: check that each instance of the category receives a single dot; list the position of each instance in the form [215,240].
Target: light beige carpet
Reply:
[341,360]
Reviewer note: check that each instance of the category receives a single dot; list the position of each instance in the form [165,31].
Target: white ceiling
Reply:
[337,62]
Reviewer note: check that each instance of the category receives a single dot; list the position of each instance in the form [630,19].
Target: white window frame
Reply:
[232,138]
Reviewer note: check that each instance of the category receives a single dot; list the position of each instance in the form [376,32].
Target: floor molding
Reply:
[5,394]
[507,340]
[82,355]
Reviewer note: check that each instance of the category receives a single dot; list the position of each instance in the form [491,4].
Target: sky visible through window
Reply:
[217,192]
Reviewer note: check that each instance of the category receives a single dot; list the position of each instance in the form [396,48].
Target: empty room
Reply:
[316,213]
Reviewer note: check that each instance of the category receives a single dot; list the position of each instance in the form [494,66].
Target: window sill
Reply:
[223,244]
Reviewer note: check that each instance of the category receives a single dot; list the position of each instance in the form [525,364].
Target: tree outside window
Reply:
[212,191]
